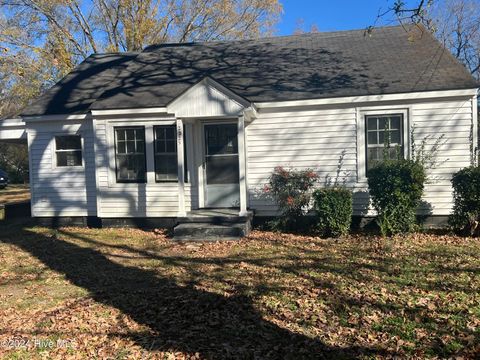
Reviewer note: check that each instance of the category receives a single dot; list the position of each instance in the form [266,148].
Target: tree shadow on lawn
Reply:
[181,318]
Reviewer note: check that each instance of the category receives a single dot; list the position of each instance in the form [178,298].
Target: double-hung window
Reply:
[384,138]
[166,163]
[130,154]
[68,150]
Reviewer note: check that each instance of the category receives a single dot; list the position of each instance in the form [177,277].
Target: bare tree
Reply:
[42,40]
[301,28]
[457,24]
[416,13]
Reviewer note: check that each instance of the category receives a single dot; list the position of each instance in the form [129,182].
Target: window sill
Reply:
[76,167]
[130,182]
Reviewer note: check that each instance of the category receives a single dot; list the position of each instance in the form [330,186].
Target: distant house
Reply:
[178,127]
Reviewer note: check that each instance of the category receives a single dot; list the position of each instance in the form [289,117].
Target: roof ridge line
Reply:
[151,47]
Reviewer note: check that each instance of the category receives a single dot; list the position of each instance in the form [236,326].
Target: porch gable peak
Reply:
[207,98]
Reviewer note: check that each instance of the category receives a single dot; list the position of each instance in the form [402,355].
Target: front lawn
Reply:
[14,193]
[117,293]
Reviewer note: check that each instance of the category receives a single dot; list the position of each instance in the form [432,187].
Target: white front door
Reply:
[221,169]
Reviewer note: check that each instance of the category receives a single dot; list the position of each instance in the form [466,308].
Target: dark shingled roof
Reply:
[309,66]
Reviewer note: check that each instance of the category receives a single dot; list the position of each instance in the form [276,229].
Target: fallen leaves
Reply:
[136,294]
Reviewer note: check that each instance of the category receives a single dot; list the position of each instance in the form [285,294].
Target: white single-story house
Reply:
[179,127]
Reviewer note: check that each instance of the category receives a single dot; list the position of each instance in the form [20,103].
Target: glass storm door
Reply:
[222,187]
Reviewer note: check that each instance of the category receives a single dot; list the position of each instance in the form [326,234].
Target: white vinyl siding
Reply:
[61,191]
[324,138]
[454,119]
[319,138]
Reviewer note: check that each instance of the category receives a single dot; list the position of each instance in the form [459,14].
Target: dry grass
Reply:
[14,193]
[128,293]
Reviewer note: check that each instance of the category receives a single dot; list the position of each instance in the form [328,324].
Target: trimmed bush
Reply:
[334,209]
[466,195]
[396,188]
[291,190]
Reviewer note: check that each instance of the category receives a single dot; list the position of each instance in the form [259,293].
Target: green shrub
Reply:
[466,196]
[396,189]
[291,190]
[333,211]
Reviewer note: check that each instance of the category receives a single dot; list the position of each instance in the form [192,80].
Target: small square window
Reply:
[68,150]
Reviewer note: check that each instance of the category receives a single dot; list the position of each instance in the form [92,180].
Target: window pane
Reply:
[381,138]
[376,154]
[130,154]
[221,139]
[140,147]
[165,139]
[158,146]
[373,157]
[395,122]
[170,146]
[130,147]
[170,133]
[372,138]
[166,165]
[393,153]
[121,148]
[371,123]
[69,158]
[166,168]
[130,134]
[68,142]
[131,167]
[222,170]
[395,137]
[383,123]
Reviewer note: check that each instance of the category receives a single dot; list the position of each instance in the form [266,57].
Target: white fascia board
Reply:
[12,122]
[156,110]
[250,113]
[370,98]
[54,117]
[12,129]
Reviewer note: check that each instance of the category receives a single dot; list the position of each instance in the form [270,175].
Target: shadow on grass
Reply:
[182,318]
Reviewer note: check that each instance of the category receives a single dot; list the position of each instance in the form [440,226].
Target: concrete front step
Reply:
[207,231]
[214,220]
[216,217]
[212,225]
[198,239]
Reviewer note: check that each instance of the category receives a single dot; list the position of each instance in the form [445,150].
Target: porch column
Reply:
[242,164]
[181,169]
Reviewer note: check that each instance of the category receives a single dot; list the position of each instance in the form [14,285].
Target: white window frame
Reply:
[149,150]
[55,150]
[361,115]
[155,154]
[115,144]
